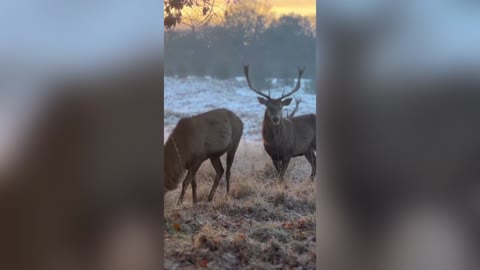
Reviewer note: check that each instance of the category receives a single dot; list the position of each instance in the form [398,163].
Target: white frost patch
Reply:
[193,95]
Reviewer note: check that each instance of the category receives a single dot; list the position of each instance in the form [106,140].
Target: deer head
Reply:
[274,106]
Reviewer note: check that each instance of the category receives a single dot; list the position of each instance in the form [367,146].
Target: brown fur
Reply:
[198,138]
[291,136]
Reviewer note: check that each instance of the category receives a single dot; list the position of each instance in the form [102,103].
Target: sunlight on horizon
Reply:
[283,7]
[301,7]
[305,8]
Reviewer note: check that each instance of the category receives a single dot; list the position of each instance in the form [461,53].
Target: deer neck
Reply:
[271,132]
[174,165]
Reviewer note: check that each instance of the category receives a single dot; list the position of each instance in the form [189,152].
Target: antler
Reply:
[245,70]
[297,102]
[297,86]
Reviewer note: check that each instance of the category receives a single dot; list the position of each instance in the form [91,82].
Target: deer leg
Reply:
[189,179]
[194,189]
[217,165]
[284,167]
[310,155]
[314,164]
[277,163]
[184,187]
[230,158]
[194,182]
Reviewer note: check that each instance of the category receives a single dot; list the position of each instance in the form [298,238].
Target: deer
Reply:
[195,139]
[284,138]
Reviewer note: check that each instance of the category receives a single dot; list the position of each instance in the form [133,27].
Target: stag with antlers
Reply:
[284,138]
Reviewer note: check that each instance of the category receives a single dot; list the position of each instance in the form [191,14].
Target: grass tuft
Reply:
[261,224]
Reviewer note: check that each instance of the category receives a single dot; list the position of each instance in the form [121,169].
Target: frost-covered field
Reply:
[192,95]
[261,223]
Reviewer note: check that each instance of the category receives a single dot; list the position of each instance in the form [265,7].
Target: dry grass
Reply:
[262,224]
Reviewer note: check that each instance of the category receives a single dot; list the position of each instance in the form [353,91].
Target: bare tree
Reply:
[192,13]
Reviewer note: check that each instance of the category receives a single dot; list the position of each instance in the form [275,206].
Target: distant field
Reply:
[262,224]
[193,95]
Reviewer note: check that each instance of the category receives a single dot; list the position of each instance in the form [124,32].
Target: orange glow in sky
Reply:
[302,7]
[281,7]
[278,7]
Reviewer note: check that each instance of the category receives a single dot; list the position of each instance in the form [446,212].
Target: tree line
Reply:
[248,33]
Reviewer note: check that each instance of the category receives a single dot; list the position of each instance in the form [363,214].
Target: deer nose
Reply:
[276,119]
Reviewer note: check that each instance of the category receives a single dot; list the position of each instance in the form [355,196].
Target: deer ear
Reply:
[286,101]
[262,100]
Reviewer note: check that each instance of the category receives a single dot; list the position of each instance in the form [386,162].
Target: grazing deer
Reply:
[284,138]
[198,138]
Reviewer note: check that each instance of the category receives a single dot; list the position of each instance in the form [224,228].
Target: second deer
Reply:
[284,138]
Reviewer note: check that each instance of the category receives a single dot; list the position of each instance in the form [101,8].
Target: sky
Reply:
[302,7]
[278,7]
[281,7]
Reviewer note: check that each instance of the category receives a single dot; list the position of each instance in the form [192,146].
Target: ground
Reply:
[261,223]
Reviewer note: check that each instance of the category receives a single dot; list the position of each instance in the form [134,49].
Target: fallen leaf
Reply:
[239,239]
[176,226]
[288,225]
[204,263]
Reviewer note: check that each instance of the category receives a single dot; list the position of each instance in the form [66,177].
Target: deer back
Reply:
[304,127]
[215,132]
